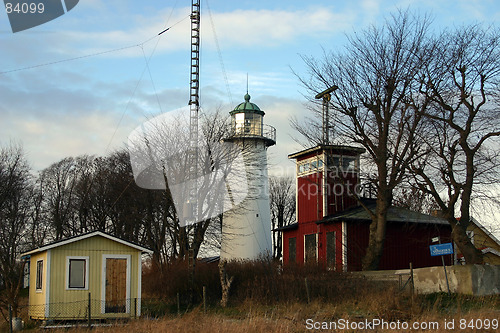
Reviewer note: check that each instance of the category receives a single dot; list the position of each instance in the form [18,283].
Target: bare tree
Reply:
[282,200]
[82,221]
[159,156]
[377,104]
[463,129]
[15,205]
[412,198]
[58,185]
[125,201]
[38,226]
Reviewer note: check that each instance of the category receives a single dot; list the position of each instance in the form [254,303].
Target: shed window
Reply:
[77,273]
[39,274]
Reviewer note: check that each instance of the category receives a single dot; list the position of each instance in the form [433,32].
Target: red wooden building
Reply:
[332,227]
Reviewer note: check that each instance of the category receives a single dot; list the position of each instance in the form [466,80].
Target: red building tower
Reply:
[332,228]
[327,177]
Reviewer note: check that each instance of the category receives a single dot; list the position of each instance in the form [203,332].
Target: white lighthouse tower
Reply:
[246,229]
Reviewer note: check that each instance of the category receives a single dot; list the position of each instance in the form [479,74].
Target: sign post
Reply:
[441,250]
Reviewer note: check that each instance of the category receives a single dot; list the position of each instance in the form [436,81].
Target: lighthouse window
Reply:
[248,123]
[239,119]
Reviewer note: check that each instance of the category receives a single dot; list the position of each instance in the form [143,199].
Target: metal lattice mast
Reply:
[194,106]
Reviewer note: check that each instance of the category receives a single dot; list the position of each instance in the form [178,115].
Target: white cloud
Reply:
[238,28]
[71,108]
[47,140]
[264,28]
[371,7]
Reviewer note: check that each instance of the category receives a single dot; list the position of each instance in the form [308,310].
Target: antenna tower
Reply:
[194,106]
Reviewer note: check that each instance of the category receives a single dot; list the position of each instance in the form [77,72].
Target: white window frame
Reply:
[86,258]
[39,286]
[340,166]
[307,164]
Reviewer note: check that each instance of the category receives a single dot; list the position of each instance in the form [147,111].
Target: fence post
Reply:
[412,283]
[204,299]
[10,318]
[446,276]
[135,308]
[307,291]
[89,312]
[178,304]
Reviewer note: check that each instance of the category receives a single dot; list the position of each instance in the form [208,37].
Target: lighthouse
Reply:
[246,228]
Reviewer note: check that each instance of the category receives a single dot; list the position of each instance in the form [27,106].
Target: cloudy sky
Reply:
[81,83]
[123,73]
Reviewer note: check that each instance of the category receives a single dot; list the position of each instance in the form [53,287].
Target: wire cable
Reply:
[92,54]
[223,69]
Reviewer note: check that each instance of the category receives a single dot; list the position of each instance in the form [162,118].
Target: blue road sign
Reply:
[441,249]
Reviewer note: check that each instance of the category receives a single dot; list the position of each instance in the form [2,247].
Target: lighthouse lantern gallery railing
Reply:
[253,130]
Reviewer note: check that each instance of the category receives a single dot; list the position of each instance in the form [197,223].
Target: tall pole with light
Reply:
[326,96]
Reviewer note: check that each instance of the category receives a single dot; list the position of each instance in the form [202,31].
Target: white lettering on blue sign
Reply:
[441,249]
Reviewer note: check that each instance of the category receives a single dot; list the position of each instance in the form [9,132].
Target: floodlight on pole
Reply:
[326,96]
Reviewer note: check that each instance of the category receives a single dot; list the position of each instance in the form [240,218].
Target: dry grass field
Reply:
[249,318]
[266,299]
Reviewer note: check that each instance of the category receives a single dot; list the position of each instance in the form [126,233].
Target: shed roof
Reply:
[486,231]
[85,236]
[394,214]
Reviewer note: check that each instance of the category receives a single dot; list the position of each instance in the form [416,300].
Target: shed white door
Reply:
[116,285]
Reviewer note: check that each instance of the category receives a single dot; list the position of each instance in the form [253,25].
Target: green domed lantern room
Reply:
[247,121]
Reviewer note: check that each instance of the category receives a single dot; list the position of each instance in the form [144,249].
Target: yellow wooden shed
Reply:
[94,273]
